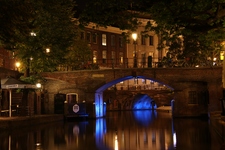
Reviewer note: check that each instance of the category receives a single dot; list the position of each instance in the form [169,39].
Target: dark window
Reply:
[89,37]
[113,56]
[150,40]
[143,59]
[142,39]
[192,97]
[121,41]
[94,37]
[113,40]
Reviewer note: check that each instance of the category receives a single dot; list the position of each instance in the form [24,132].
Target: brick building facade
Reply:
[107,45]
[6,59]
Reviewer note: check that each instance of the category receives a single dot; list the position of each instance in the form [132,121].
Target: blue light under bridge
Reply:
[142,101]
[99,92]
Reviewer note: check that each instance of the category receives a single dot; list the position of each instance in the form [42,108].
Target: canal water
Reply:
[126,130]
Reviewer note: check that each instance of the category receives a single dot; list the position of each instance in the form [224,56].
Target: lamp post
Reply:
[17,65]
[134,35]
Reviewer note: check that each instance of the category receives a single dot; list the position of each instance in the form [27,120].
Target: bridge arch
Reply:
[201,86]
[99,110]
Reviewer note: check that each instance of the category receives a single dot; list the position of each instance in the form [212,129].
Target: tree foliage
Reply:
[54,29]
[15,16]
[79,54]
[199,22]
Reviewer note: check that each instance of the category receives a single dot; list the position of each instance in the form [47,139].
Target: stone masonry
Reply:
[207,82]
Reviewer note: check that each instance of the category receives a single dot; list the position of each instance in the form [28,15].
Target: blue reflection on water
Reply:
[144,117]
[142,101]
[100,129]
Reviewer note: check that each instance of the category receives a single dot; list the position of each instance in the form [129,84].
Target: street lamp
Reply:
[134,35]
[17,65]
[47,50]
[33,34]
[38,85]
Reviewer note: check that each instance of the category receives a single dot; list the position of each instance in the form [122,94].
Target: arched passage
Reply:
[99,93]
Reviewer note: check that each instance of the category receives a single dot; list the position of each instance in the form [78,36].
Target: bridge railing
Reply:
[141,63]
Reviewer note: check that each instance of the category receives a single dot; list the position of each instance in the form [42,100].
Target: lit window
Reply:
[144,81]
[221,55]
[104,56]
[94,56]
[135,81]
[121,57]
[104,39]
[133,53]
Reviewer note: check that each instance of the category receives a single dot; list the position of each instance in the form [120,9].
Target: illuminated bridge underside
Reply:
[140,102]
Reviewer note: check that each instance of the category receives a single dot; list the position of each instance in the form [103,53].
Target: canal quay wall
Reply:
[8,123]
[217,121]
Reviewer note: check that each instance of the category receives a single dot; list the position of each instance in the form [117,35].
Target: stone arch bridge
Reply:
[196,90]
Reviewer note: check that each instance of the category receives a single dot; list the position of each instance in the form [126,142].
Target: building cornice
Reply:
[107,29]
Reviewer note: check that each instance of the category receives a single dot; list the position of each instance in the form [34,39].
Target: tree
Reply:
[54,30]
[15,16]
[200,23]
[79,54]
[201,20]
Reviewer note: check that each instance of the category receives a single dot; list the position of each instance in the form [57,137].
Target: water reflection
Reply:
[118,131]
[144,117]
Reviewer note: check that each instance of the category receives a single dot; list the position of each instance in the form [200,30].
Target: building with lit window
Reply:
[7,60]
[107,46]
[145,47]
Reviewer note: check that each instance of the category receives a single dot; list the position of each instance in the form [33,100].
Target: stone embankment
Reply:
[27,121]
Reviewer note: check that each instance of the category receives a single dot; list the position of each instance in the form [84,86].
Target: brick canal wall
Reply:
[19,122]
